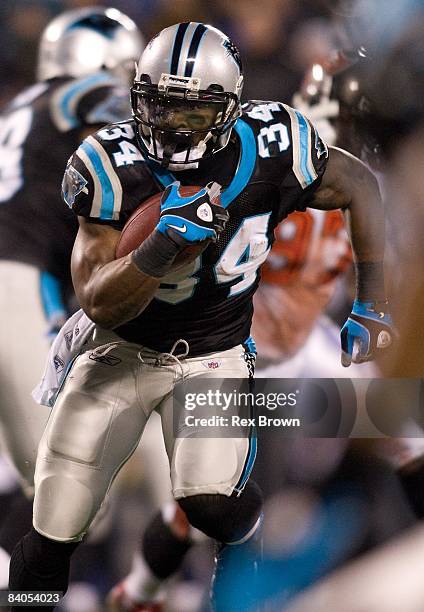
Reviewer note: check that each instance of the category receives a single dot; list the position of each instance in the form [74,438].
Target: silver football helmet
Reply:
[186,94]
[82,41]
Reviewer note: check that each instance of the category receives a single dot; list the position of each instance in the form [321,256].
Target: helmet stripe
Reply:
[194,47]
[178,43]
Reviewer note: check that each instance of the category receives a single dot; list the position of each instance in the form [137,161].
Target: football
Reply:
[143,221]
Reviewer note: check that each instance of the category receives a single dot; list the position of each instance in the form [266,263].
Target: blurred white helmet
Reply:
[80,42]
[186,95]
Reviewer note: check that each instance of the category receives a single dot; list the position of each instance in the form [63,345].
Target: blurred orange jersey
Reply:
[311,250]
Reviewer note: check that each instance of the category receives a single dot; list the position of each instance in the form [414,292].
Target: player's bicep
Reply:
[341,177]
[94,247]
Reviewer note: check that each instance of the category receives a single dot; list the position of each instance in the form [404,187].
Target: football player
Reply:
[85,63]
[162,325]
[310,254]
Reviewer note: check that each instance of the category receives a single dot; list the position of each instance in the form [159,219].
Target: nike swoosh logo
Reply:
[179,228]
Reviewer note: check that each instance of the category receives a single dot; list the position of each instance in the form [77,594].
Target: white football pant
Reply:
[99,417]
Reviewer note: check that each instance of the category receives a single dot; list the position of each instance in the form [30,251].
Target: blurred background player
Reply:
[391,119]
[85,62]
[294,338]
[395,119]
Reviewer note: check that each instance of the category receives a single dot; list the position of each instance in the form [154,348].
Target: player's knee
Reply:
[227,519]
[63,508]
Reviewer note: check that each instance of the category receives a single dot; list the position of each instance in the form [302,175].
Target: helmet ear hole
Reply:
[215,87]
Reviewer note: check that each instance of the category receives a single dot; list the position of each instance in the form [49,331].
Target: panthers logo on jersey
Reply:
[73,184]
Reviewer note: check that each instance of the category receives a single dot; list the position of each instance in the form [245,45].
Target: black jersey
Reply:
[272,166]
[39,130]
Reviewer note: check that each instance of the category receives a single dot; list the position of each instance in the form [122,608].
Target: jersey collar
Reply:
[243,174]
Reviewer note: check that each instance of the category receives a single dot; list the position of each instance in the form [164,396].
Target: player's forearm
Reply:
[116,293]
[366,223]
[349,184]
[365,219]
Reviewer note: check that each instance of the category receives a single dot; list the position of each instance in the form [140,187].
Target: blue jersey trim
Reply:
[51,296]
[304,147]
[163,176]
[108,197]
[75,90]
[246,165]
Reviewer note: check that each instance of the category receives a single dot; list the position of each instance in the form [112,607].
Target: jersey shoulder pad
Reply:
[309,151]
[105,105]
[282,129]
[73,100]
[103,181]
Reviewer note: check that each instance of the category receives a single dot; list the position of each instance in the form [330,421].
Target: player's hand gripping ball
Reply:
[193,218]
[368,329]
[192,215]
